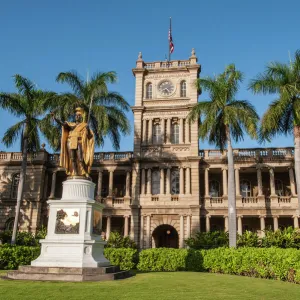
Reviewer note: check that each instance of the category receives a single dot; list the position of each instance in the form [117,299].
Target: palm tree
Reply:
[225,119]
[28,105]
[283,114]
[106,110]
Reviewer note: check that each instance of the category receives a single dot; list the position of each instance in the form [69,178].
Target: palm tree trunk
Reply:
[297,162]
[231,194]
[21,185]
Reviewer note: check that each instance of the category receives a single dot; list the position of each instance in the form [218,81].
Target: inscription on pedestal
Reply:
[67,221]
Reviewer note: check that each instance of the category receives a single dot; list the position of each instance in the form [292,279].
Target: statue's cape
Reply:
[88,142]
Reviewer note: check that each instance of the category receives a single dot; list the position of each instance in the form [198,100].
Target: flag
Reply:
[171,45]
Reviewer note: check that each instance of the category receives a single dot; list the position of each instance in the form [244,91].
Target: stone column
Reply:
[111,183]
[292,181]
[53,184]
[207,219]
[181,131]
[142,233]
[272,182]
[162,181]
[296,221]
[168,139]
[163,129]
[99,187]
[275,221]
[187,132]
[259,181]
[181,181]
[240,225]
[126,225]
[226,223]
[148,230]
[149,191]
[262,225]
[188,180]
[206,182]
[168,187]
[127,184]
[181,241]
[237,181]
[108,227]
[144,131]
[188,226]
[225,182]
[143,182]
[150,127]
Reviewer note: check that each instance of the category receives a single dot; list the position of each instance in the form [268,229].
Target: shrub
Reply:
[208,240]
[118,241]
[24,238]
[13,256]
[126,258]
[248,239]
[168,259]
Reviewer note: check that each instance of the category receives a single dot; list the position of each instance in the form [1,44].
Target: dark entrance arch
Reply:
[165,236]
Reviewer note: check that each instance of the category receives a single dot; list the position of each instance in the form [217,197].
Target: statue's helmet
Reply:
[80,110]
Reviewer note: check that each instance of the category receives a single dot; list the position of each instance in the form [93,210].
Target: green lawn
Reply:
[158,286]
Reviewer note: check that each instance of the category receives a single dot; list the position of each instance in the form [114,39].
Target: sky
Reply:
[39,39]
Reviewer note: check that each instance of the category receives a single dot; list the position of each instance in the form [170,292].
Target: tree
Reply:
[225,119]
[107,110]
[28,105]
[283,114]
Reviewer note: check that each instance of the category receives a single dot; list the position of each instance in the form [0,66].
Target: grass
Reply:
[158,286]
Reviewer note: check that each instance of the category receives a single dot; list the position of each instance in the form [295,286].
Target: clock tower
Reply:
[165,176]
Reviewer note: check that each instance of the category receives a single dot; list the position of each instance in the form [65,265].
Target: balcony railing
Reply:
[166,64]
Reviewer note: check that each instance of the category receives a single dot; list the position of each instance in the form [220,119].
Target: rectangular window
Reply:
[175,134]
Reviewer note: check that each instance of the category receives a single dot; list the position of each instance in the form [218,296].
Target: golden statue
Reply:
[77,145]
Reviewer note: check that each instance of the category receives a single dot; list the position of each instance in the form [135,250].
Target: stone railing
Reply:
[249,154]
[166,64]
[17,156]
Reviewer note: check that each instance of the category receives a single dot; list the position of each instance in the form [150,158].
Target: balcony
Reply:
[117,202]
[166,64]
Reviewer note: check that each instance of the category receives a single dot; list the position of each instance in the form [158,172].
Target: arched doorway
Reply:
[165,236]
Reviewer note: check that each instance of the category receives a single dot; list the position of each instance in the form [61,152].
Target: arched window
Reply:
[155,182]
[183,88]
[245,187]
[175,133]
[214,188]
[175,182]
[9,224]
[149,91]
[14,186]
[156,134]
[279,187]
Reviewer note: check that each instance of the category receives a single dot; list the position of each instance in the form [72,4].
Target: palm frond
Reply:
[74,80]
[12,134]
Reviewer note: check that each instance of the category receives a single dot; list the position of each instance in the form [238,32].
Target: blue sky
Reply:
[42,38]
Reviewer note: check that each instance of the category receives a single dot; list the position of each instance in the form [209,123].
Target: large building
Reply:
[167,188]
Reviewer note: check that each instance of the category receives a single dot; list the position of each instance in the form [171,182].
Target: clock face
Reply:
[166,88]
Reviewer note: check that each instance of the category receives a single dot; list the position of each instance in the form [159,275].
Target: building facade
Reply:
[167,188]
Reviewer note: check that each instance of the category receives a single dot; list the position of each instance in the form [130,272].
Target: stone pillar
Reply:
[126,225]
[272,182]
[296,221]
[127,184]
[237,181]
[275,221]
[181,131]
[168,139]
[188,226]
[240,225]
[143,182]
[168,185]
[259,181]
[181,241]
[108,227]
[111,183]
[292,181]
[53,184]
[262,225]
[188,180]
[206,182]
[162,181]
[225,182]
[181,181]
[149,191]
[226,227]
[187,131]
[148,229]
[144,131]
[99,187]
[207,223]
[142,233]
[150,127]
[163,129]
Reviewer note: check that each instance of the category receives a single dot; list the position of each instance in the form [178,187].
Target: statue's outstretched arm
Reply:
[58,121]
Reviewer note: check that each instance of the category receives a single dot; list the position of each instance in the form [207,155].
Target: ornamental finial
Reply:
[193,52]
[140,56]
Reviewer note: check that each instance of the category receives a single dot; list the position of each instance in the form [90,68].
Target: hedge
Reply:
[13,256]
[126,258]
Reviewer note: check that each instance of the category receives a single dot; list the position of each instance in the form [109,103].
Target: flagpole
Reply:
[170,32]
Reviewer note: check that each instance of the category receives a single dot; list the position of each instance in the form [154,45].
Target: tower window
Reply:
[155,182]
[175,133]
[183,88]
[156,134]
[149,91]
[175,182]
[14,186]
